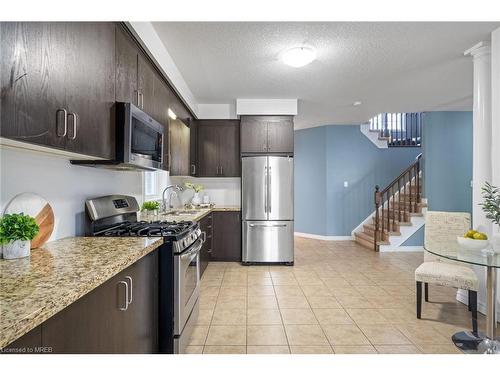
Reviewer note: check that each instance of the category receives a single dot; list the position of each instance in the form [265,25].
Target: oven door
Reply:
[187,284]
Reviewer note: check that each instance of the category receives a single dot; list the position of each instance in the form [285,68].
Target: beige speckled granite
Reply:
[200,214]
[34,289]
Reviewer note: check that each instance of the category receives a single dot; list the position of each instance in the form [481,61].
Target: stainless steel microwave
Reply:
[138,141]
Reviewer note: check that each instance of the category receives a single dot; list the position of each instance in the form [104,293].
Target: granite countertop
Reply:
[59,273]
[195,215]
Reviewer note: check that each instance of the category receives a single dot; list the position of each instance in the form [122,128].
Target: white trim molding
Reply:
[324,238]
[266,106]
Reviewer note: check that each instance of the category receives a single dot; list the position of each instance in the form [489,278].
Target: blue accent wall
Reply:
[327,156]
[310,181]
[447,155]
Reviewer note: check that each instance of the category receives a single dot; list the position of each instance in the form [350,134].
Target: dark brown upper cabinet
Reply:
[58,85]
[267,134]
[90,88]
[179,148]
[218,148]
[33,82]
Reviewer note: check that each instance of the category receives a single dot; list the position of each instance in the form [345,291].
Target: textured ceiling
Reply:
[389,67]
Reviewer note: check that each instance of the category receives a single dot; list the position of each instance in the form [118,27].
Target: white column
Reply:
[482,163]
[495,113]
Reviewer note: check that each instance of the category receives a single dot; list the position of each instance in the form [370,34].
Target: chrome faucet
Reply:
[163,201]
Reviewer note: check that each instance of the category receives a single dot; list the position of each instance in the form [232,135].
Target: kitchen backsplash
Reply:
[66,187]
[222,191]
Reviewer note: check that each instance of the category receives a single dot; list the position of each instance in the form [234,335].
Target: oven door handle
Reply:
[193,251]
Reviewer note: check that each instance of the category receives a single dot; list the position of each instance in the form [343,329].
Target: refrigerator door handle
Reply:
[269,209]
[267,226]
[266,196]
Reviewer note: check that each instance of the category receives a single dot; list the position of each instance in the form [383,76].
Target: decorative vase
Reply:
[16,249]
[196,200]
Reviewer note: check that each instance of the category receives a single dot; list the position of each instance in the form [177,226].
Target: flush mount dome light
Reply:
[299,56]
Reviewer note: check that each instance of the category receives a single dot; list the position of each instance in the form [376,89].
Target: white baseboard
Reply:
[401,249]
[324,238]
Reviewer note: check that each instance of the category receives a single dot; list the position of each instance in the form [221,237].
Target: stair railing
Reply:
[400,129]
[403,191]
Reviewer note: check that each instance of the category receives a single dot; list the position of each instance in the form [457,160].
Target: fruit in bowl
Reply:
[473,240]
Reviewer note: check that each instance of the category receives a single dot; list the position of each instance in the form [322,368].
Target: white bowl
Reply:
[471,244]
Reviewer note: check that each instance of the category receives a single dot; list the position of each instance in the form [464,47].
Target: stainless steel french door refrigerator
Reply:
[267,209]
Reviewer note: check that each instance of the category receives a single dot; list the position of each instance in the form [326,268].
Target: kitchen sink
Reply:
[181,212]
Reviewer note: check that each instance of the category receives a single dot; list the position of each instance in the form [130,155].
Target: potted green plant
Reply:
[151,207]
[196,200]
[16,233]
[491,207]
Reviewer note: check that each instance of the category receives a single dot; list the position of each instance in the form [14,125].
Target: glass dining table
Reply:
[479,342]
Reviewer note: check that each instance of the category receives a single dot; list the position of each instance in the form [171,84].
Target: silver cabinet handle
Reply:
[126,296]
[269,199]
[75,121]
[267,225]
[221,171]
[65,122]
[204,237]
[131,288]
[193,169]
[218,170]
[142,100]
[138,99]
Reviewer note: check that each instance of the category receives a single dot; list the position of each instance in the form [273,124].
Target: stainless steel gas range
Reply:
[179,262]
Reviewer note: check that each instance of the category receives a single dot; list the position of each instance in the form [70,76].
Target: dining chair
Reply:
[441,231]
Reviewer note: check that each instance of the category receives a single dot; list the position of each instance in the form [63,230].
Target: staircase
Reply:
[394,129]
[398,207]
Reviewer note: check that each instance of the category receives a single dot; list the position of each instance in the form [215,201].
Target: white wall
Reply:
[65,186]
[222,191]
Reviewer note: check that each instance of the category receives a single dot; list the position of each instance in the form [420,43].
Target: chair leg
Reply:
[419,299]
[470,305]
[473,303]
[426,292]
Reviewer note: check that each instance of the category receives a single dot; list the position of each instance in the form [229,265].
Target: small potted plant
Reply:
[196,200]
[16,233]
[151,207]
[491,207]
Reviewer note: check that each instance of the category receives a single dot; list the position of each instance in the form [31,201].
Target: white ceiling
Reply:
[389,67]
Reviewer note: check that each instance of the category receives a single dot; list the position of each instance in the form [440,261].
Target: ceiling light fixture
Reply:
[356,103]
[299,56]
[171,114]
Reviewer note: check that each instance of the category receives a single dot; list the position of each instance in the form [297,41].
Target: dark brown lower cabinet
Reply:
[29,343]
[109,320]
[226,236]
[206,250]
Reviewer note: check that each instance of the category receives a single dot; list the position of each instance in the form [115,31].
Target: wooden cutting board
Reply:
[38,207]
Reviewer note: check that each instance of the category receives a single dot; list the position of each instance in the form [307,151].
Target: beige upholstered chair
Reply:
[441,231]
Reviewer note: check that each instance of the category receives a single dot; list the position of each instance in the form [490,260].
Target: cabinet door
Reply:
[90,88]
[126,67]
[193,151]
[229,148]
[146,79]
[208,149]
[89,325]
[179,148]
[280,135]
[29,343]
[253,135]
[139,324]
[206,250]
[32,75]
[226,236]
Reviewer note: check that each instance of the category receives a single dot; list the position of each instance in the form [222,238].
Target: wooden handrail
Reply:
[387,216]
